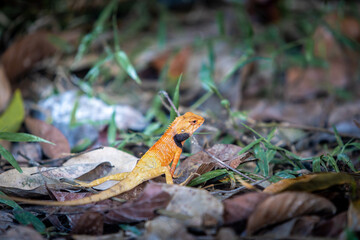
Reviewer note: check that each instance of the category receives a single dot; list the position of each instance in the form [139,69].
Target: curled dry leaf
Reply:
[50,133]
[240,207]
[284,206]
[311,182]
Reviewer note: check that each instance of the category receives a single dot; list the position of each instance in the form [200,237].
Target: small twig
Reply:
[228,166]
[29,159]
[166,95]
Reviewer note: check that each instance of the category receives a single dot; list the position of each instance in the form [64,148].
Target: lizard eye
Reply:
[193,122]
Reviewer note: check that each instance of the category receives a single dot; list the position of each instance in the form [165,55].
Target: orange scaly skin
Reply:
[154,163]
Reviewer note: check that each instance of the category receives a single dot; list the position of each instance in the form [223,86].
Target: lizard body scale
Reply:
[153,163]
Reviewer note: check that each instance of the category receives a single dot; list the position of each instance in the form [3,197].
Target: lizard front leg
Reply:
[175,161]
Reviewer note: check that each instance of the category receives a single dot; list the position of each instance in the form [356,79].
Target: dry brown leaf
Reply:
[202,163]
[25,52]
[308,82]
[332,227]
[90,223]
[5,89]
[178,62]
[50,133]
[240,207]
[143,208]
[284,206]
[349,26]
[311,182]
[299,227]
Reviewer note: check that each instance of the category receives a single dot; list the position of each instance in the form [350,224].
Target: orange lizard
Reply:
[155,162]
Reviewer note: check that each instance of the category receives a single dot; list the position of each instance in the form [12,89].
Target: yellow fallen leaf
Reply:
[12,118]
[311,182]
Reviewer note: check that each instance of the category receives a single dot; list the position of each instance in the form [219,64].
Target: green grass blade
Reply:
[250,145]
[316,165]
[345,158]
[338,138]
[26,218]
[22,137]
[97,30]
[10,158]
[207,176]
[124,62]
[8,202]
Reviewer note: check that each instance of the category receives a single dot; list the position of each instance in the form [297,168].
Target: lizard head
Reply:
[188,123]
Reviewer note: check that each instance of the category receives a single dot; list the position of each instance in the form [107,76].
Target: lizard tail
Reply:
[123,186]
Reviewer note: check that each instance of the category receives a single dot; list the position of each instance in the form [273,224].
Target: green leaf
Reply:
[176,99]
[121,57]
[123,60]
[345,158]
[12,118]
[357,145]
[130,228]
[22,137]
[26,218]
[316,165]
[271,134]
[8,202]
[9,157]
[205,76]
[250,145]
[285,174]
[338,138]
[207,176]
[151,128]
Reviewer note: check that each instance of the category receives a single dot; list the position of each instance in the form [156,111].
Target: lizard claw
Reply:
[179,175]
